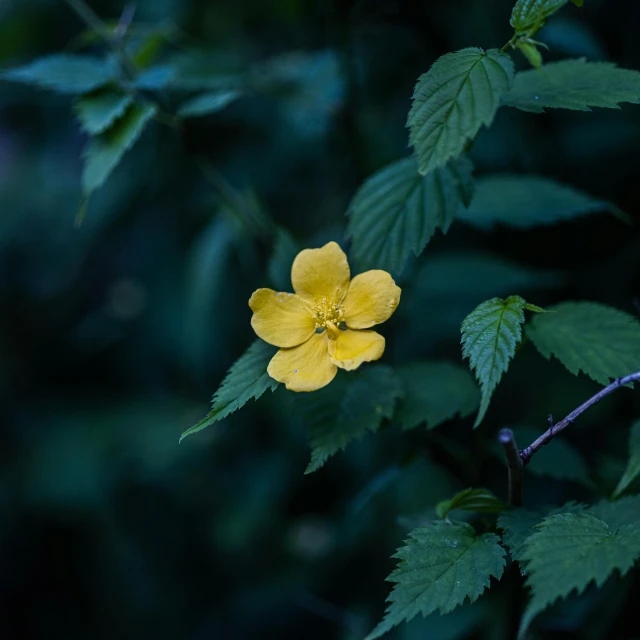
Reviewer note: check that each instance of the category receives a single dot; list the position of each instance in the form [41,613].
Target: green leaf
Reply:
[519,524]
[531,52]
[490,334]
[600,341]
[98,111]
[208,103]
[64,73]
[460,93]
[478,500]
[435,392]
[529,15]
[633,466]
[573,84]
[622,512]
[440,566]
[525,201]
[247,378]
[104,151]
[341,413]
[569,551]
[397,210]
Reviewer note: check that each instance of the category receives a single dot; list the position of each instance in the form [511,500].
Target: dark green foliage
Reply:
[396,211]
[246,379]
[478,500]
[633,465]
[530,15]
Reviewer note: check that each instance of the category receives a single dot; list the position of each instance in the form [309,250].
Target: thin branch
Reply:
[90,18]
[554,429]
[515,466]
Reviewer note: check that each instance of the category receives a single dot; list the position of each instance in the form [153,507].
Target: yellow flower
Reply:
[322,326]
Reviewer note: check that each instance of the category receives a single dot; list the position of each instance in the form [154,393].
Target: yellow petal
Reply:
[306,367]
[319,273]
[352,348]
[281,319]
[371,299]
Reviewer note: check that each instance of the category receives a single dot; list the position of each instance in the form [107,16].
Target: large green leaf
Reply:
[397,210]
[64,73]
[103,152]
[569,551]
[208,103]
[633,465]
[478,500]
[346,410]
[460,93]
[529,15]
[98,111]
[435,392]
[490,334]
[573,84]
[600,341]
[523,201]
[440,565]
[247,378]
[519,524]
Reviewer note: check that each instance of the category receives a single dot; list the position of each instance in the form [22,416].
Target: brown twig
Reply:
[554,429]
[515,466]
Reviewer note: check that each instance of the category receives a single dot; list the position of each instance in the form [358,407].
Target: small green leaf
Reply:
[569,551]
[519,524]
[633,466]
[573,84]
[397,211]
[600,341]
[478,500]
[435,392]
[341,413]
[440,566]
[98,111]
[525,201]
[208,103]
[531,52]
[460,93]
[529,15]
[65,73]
[490,334]
[103,152]
[246,379]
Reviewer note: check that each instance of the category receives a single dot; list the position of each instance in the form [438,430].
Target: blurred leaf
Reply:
[531,52]
[155,78]
[573,84]
[246,379]
[397,210]
[440,566]
[490,334]
[530,15]
[460,93]
[285,249]
[578,3]
[598,340]
[569,551]
[97,111]
[620,513]
[478,500]
[435,392]
[208,103]
[104,151]
[574,38]
[65,73]
[519,524]
[633,466]
[335,418]
[522,202]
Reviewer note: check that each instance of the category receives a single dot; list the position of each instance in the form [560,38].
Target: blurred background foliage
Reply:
[114,334]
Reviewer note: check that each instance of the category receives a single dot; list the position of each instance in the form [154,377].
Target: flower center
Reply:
[327,314]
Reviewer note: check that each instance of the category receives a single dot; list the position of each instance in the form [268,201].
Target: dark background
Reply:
[114,335]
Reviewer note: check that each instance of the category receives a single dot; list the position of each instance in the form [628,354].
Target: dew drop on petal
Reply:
[295,371]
